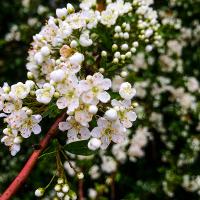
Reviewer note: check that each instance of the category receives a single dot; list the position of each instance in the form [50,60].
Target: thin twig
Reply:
[28,167]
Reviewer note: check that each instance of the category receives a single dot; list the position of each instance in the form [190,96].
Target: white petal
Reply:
[63,126]
[117,138]
[25,132]
[61,103]
[36,129]
[103,97]
[96,132]
[105,142]
[87,97]
[85,133]
[131,116]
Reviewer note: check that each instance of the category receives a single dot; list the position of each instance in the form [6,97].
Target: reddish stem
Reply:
[80,189]
[23,175]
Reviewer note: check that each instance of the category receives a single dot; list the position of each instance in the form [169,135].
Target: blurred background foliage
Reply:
[156,175]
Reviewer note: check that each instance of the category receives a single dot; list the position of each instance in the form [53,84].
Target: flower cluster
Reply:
[67,66]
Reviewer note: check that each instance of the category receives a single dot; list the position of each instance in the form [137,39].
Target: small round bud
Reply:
[73,44]
[124,25]
[30,75]
[124,47]
[114,47]
[94,144]
[57,187]
[70,8]
[126,35]
[29,112]
[128,54]
[80,175]
[135,104]
[32,93]
[123,57]
[111,114]
[101,70]
[45,51]
[133,49]
[60,194]
[56,95]
[117,29]
[115,60]
[103,53]
[39,192]
[18,140]
[135,44]
[6,89]
[38,57]
[117,54]
[65,188]
[149,48]
[121,35]
[124,74]
[66,197]
[116,35]
[93,109]
[60,181]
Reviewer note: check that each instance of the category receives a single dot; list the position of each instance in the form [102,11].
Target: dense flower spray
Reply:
[76,64]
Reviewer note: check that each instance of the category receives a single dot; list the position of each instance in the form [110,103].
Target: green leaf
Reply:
[79,148]
[52,111]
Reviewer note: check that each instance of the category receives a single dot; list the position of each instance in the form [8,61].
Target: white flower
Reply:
[30,124]
[125,112]
[126,91]
[108,131]
[45,94]
[82,114]
[70,99]
[108,165]
[94,144]
[9,139]
[75,130]
[19,90]
[94,89]
[108,17]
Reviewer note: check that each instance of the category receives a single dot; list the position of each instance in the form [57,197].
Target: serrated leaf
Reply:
[79,148]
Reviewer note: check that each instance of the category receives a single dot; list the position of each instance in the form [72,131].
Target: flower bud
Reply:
[57,187]
[70,8]
[94,144]
[93,109]
[61,12]
[39,192]
[45,51]
[80,175]
[111,114]
[60,181]
[57,75]
[18,140]
[65,188]
[103,53]
[73,44]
